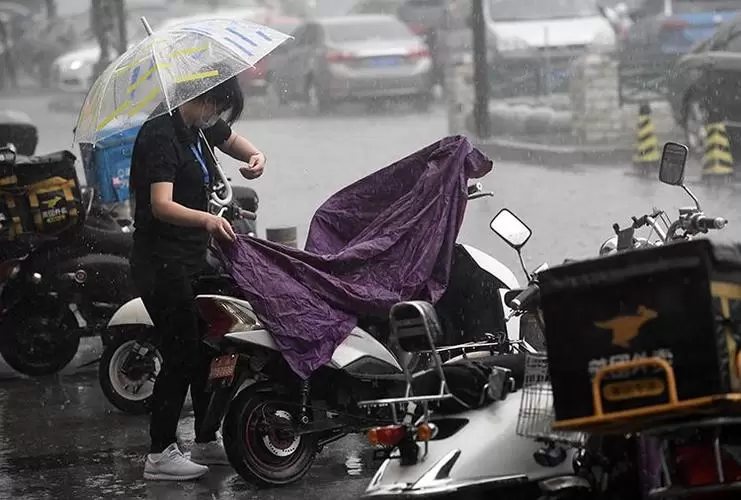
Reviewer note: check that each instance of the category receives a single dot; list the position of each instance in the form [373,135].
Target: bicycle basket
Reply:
[536,416]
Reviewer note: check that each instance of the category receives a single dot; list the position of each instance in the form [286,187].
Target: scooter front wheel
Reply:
[128,369]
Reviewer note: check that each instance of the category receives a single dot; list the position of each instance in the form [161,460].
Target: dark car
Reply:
[707,80]
[656,33]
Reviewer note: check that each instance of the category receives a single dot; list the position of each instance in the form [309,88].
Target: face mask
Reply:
[202,123]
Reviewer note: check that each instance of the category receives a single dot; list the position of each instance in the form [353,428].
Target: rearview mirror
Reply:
[510,229]
[673,162]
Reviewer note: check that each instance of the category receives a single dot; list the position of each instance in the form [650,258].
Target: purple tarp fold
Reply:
[386,238]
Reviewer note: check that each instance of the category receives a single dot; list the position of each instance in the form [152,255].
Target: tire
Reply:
[317,99]
[113,381]
[695,118]
[38,340]
[265,459]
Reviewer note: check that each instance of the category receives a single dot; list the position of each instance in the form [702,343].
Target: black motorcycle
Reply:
[56,290]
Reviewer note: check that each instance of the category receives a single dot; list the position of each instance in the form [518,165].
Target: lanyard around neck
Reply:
[198,152]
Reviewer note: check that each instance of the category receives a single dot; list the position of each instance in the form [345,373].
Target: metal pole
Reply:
[451,88]
[123,42]
[481,71]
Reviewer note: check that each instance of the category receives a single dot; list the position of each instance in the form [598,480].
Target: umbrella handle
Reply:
[227,199]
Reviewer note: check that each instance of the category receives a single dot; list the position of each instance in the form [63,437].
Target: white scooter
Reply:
[295,420]
[500,445]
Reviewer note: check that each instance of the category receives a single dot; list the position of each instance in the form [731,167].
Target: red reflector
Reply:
[419,54]
[335,56]
[417,29]
[386,436]
[219,321]
[674,24]
[696,466]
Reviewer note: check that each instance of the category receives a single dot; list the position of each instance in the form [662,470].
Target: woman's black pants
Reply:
[167,291]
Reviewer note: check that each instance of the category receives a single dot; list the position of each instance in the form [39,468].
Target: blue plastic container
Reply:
[107,165]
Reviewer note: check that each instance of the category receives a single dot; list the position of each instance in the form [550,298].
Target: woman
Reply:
[171,174]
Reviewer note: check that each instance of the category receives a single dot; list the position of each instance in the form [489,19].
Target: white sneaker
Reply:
[209,453]
[172,465]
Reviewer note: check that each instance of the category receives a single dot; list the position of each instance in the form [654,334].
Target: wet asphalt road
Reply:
[60,439]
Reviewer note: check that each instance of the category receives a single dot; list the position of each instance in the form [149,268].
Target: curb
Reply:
[506,149]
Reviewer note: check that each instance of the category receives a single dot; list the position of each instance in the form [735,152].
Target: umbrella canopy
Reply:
[171,66]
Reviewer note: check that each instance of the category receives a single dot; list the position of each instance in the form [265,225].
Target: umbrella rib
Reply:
[159,76]
[100,105]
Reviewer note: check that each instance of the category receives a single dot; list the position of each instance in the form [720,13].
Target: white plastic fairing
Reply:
[131,313]
[361,344]
[493,267]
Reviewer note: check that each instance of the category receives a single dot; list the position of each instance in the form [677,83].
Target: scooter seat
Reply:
[467,379]
[105,241]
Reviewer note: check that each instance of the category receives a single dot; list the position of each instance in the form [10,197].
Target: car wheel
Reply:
[695,119]
[317,99]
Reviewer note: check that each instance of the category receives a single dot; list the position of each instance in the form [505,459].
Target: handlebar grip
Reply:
[705,223]
[525,298]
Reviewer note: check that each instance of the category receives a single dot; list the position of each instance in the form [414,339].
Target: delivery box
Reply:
[644,336]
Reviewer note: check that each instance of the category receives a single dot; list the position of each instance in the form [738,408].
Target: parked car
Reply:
[361,57]
[533,43]
[424,18]
[704,79]
[74,70]
[255,81]
[653,34]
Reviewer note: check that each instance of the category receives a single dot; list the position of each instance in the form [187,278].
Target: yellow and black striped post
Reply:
[718,159]
[647,152]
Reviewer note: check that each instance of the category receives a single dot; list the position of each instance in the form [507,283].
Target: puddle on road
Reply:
[354,464]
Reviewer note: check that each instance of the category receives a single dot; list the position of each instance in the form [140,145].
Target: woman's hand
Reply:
[255,166]
[220,228]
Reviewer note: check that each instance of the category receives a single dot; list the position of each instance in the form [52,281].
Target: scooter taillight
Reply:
[696,466]
[219,320]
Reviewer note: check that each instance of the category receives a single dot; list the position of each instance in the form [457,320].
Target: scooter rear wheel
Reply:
[259,451]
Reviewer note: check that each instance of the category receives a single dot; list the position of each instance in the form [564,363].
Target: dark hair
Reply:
[226,95]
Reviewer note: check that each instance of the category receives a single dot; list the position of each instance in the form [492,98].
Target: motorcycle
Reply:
[250,378]
[460,447]
[53,291]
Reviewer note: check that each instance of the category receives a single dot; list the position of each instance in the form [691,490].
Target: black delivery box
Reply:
[645,336]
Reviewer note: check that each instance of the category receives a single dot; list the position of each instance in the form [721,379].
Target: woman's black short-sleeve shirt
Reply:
[162,153]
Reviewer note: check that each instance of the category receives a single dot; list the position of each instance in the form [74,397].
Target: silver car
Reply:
[362,57]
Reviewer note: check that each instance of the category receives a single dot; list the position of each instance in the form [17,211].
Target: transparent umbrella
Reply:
[171,66]
[168,68]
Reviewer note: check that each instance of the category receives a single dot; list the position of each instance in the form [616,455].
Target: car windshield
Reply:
[535,10]
[357,31]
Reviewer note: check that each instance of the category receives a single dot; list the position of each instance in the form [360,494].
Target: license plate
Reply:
[223,367]
[382,62]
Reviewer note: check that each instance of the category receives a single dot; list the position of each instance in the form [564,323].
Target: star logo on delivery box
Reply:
[625,328]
